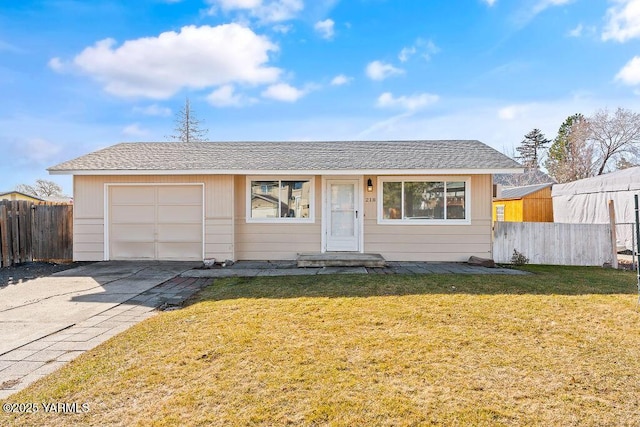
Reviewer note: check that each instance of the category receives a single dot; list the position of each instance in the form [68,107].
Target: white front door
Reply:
[342,215]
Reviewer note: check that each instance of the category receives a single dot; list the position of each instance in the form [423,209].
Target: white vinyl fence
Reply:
[553,243]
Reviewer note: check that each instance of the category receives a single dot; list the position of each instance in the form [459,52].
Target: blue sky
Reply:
[76,76]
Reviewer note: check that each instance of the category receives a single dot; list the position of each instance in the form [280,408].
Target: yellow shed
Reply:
[16,195]
[531,203]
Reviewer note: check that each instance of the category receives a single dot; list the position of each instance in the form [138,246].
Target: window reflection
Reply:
[280,199]
[455,200]
[423,200]
[392,200]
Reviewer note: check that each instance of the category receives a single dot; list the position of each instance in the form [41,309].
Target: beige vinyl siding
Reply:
[89,205]
[433,242]
[256,241]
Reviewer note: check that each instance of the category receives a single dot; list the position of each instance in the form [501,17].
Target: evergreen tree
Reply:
[570,156]
[530,149]
[188,126]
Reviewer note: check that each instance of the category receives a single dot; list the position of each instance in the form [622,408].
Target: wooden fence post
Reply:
[15,232]
[5,235]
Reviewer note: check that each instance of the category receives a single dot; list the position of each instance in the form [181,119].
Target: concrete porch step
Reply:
[340,259]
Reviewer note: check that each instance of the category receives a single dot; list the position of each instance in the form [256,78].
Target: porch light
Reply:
[369,185]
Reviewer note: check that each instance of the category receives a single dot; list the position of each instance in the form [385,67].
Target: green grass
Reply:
[558,347]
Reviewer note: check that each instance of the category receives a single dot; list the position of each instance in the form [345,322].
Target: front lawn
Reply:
[559,347]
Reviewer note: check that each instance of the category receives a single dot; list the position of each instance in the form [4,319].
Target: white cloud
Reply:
[239,4]
[409,103]
[527,13]
[630,73]
[427,48]
[513,112]
[56,64]
[406,53]
[8,47]
[196,57]
[545,4]
[489,2]
[283,92]
[623,21]
[153,110]
[479,120]
[134,130]
[340,80]
[378,70]
[39,151]
[577,31]
[325,28]
[265,11]
[282,28]
[226,96]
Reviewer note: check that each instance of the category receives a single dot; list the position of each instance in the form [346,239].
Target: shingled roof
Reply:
[520,192]
[243,157]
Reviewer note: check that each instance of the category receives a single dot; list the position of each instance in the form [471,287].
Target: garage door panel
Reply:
[180,232]
[133,250]
[132,195]
[181,195]
[179,250]
[156,222]
[133,214]
[133,233]
[180,214]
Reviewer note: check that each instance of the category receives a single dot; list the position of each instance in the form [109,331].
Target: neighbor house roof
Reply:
[278,157]
[8,193]
[520,192]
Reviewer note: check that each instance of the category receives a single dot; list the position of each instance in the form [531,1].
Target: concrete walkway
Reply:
[48,321]
[288,268]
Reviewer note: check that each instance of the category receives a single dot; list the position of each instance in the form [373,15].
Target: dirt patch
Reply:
[31,270]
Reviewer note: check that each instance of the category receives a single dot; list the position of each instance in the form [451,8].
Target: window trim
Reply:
[281,220]
[430,178]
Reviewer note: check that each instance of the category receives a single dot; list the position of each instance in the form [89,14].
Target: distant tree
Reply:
[531,148]
[570,157]
[188,126]
[614,135]
[42,188]
[529,177]
[624,163]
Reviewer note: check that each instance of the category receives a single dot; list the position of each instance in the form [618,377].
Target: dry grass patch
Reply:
[560,347]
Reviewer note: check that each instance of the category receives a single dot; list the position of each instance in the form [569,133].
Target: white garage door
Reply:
[159,222]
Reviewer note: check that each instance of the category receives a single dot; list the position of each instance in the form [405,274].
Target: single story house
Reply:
[406,200]
[530,203]
[17,195]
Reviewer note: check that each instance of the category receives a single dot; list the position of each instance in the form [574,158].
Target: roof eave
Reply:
[460,171]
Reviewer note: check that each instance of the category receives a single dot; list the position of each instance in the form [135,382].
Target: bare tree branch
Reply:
[188,127]
[42,188]
[613,135]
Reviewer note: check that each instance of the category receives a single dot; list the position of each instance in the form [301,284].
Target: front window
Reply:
[280,200]
[424,201]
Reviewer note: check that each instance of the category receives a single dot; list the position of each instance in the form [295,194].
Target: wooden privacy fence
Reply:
[35,232]
[553,243]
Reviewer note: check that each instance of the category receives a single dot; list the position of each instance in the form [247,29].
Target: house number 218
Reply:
[369,199]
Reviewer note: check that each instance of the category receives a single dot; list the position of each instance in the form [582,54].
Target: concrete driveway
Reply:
[34,309]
